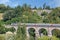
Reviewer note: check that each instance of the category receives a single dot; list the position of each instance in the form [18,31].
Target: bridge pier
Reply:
[50,31]
[49,34]
[37,34]
[27,34]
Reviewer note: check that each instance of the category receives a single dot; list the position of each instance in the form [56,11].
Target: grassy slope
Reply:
[1,16]
[2,36]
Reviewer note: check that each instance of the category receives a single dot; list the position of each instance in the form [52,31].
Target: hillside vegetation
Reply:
[24,14]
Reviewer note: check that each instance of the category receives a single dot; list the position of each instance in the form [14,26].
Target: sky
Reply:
[33,3]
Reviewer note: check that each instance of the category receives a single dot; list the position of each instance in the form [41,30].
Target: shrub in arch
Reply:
[56,32]
[31,31]
[43,31]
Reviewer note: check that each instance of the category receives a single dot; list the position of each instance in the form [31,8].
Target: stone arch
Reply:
[27,33]
[31,31]
[55,32]
[42,31]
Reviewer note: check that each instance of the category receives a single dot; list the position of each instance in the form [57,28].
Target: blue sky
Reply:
[38,3]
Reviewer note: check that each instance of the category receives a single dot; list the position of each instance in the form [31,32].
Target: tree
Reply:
[44,13]
[34,18]
[15,20]
[23,29]
[21,33]
[26,7]
[48,7]
[44,5]
[2,28]
[40,8]
[46,20]
[35,7]
[8,15]
[9,8]
[12,29]
[2,8]
[18,11]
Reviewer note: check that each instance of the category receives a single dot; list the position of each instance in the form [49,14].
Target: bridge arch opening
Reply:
[42,32]
[32,33]
[56,32]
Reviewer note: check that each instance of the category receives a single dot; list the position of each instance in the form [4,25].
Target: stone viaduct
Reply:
[37,27]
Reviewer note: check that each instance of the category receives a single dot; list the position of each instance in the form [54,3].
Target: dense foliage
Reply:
[24,14]
[21,33]
[48,38]
[3,29]
[43,32]
[32,34]
[20,14]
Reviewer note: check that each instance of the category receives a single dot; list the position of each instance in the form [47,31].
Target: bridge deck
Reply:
[37,25]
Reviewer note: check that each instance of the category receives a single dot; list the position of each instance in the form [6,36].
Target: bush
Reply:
[48,38]
[54,38]
[43,38]
[12,29]
[9,36]
[32,38]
